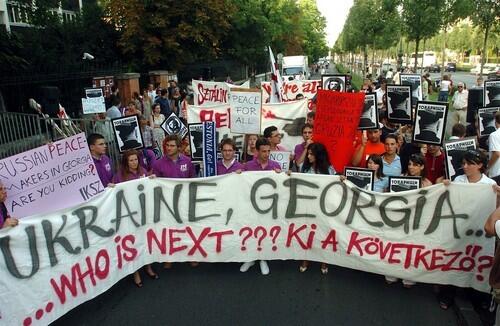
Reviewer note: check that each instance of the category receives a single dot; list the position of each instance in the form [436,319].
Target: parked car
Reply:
[487,69]
[434,68]
[494,75]
[450,67]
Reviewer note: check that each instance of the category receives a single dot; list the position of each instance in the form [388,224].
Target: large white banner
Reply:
[213,93]
[51,263]
[37,179]
[291,89]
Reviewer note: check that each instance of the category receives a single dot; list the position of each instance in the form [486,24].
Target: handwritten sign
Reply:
[283,158]
[291,89]
[94,101]
[270,216]
[50,177]
[337,119]
[213,93]
[245,110]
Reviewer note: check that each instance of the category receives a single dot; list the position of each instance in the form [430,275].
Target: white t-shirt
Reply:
[445,86]
[494,146]
[484,180]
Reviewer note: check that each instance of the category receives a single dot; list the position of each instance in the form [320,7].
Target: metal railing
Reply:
[20,132]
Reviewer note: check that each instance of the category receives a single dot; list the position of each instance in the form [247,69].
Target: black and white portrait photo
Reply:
[399,104]
[486,118]
[362,178]
[334,82]
[398,184]
[491,93]
[196,141]
[369,115]
[455,151]
[127,133]
[430,122]
[174,126]
[415,82]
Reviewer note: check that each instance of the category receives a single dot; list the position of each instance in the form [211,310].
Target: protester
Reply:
[316,162]
[147,104]
[381,182]
[492,228]
[435,160]
[164,103]
[494,149]
[228,163]
[261,163]
[389,75]
[147,133]
[114,111]
[132,109]
[103,164]
[381,94]
[388,127]
[444,89]
[273,135]
[310,118]
[426,86]
[250,150]
[130,169]
[176,101]
[300,152]
[370,144]
[459,104]
[5,219]
[156,121]
[391,161]
[458,131]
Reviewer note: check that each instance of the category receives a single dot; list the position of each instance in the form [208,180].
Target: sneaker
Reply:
[246,266]
[264,268]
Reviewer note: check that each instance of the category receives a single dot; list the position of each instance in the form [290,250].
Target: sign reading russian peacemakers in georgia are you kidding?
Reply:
[50,177]
[51,263]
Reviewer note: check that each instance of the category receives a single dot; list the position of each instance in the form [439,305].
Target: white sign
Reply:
[94,101]
[283,158]
[213,93]
[245,107]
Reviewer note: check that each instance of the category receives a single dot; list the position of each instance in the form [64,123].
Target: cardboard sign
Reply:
[399,104]
[398,184]
[94,101]
[174,126]
[335,83]
[430,122]
[283,158]
[362,178]
[369,115]
[415,83]
[491,94]
[486,118]
[454,151]
[128,133]
[50,177]
[292,88]
[245,107]
[207,93]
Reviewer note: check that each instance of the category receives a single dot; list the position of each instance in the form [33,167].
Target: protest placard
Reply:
[336,123]
[209,149]
[174,126]
[415,82]
[127,133]
[283,158]
[50,177]
[213,93]
[196,141]
[299,217]
[362,178]
[291,89]
[369,115]
[491,94]
[455,151]
[334,82]
[430,122]
[398,184]
[245,107]
[399,104]
[94,101]
[486,118]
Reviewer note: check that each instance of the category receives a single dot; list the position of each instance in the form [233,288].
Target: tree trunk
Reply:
[423,56]
[417,41]
[443,53]
[483,54]
[365,59]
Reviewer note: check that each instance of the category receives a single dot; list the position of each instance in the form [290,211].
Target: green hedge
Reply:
[357,80]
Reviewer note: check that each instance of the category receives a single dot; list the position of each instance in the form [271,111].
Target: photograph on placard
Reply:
[398,184]
[362,178]
[174,126]
[430,122]
[334,82]
[127,133]
[486,117]
[415,82]
[399,104]
[196,141]
[491,94]
[157,150]
[369,115]
[454,153]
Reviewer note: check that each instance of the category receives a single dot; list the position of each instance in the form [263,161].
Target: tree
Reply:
[421,20]
[486,16]
[313,25]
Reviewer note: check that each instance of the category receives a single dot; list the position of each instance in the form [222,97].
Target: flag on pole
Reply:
[276,82]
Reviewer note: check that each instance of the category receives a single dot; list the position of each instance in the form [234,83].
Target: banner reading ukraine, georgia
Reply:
[54,262]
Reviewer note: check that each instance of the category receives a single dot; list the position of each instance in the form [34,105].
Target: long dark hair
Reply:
[322,162]
[377,159]
[419,159]
[124,169]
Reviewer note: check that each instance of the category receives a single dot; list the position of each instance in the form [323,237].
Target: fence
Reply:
[20,132]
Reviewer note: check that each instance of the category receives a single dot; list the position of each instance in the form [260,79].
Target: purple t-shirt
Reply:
[146,159]
[141,173]
[299,149]
[166,168]
[221,168]
[104,169]
[254,165]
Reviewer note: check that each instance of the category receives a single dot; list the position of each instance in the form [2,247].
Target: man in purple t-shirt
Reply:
[261,163]
[300,150]
[228,164]
[173,164]
[103,164]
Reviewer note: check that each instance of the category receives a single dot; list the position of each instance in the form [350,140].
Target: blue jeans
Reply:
[443,96]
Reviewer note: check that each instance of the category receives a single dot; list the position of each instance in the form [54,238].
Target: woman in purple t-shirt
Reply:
[5,219]
[130,169]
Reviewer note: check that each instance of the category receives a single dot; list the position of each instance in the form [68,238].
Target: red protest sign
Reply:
[335,124]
